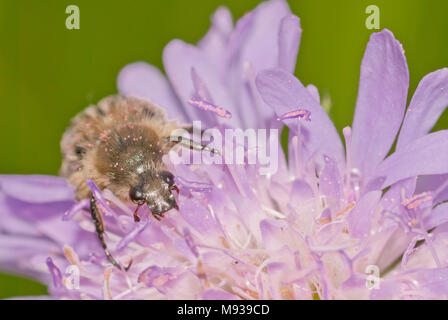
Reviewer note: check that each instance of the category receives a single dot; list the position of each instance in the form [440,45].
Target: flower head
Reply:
[323,226]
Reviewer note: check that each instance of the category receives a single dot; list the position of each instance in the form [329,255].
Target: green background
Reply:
[49,73]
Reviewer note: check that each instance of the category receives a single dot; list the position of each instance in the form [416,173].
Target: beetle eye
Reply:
[167,177]
[136,194]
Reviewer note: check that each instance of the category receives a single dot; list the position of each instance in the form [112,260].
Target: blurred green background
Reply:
[49,73]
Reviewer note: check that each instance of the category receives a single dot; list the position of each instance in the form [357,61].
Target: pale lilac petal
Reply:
[289,37]
[261,47]
[260,40]
[190,242]
[428,103]
[381,101]
[201,90]
[267,37]
[272,232]
[393,197]
[301,192]
[215,41]
[277,234]
[438,216]
[217,294]
[284,92]
[254,112]
[31,227]
[17,255]
[415,284]
[77,207]
[312,89]
[192,186]
[179,58]
[237,38]
[135,232]
[360,218]
[36,188]
[427,155]
[99,197]
[437,183]
[56,274]
[197,216]
[397,241]
[158,277]
[331,184]
[397,238]
[429,254]
[145,81]
[12,221]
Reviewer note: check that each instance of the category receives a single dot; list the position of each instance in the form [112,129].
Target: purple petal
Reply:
[56,274]
[146,81]
[197,216]
[32,227]
[277,234]
[261,47]
[312,89]
[381,101]
[217,294]
[331,183]
[428,103]
[158,277]
[261,40]
[360,218]
[289,37]
[36,188]
[300,193]
[138,229]
[193,186]
[426,155]
[284,92]
[267,37]
[77,207]
[415,284]
[203,100]
[99,197]
[215,41]
[190,242]
[438,216]
[179,58]
[201,90]
[17,253]
[394,241]
[238,37]
[437,183]
[393,197]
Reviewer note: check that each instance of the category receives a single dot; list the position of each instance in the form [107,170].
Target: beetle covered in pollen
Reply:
[119,144]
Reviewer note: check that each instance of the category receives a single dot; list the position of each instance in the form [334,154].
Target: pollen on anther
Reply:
[70,255]
[297,113]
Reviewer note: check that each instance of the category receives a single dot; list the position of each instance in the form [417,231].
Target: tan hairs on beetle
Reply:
[119,144]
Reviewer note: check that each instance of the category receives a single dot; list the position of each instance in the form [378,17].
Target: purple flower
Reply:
[394,205]
[221,69]
[331,223]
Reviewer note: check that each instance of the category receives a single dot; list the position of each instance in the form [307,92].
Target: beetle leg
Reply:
[99,226]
